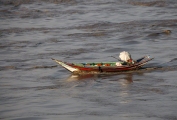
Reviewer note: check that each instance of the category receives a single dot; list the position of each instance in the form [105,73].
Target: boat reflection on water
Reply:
[109,86]
[126,78]
[77,77]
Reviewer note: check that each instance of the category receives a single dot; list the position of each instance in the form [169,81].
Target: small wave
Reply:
[41,67]
[20,2]
[3,68]
[165,32]
[21,30]
[94,34]
[174,59]
[149,4]
[38,87]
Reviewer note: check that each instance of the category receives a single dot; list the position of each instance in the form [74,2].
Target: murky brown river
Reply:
[33,87]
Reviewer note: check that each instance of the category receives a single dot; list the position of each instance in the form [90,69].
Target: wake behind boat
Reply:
[124,64]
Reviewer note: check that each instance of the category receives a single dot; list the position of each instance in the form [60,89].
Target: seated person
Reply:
[125,58]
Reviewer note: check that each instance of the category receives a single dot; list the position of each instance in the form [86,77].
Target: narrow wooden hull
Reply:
[102,66]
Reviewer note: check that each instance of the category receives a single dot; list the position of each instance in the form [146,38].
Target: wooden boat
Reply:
[103,66]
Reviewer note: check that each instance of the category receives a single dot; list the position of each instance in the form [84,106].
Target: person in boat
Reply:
[125,59]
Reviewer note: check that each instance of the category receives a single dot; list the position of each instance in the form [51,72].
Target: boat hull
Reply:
[102,67]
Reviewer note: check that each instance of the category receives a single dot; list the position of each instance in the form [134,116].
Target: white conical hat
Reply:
[124,56]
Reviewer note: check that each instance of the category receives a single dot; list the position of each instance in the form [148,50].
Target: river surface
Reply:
[33,87]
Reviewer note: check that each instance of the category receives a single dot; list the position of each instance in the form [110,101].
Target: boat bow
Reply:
[65,65]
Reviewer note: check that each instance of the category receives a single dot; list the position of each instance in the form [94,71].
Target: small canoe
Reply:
[103,66]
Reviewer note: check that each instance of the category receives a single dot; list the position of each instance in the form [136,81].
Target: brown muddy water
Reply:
[33,87]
